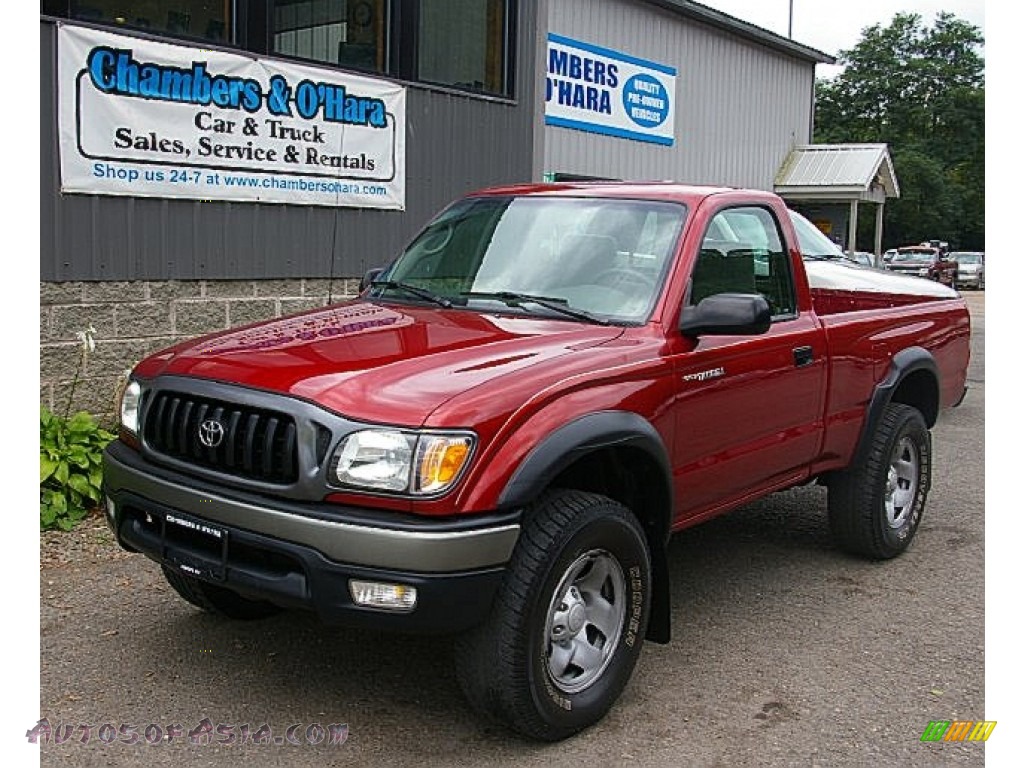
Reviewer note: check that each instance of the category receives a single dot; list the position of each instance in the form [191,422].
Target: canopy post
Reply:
[851,239]
[879,211]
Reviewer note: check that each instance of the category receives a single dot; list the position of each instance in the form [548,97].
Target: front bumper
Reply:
[969,280]
[302,555]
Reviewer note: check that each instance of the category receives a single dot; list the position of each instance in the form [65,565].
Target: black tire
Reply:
[218,600]
[875,508]
[571,540]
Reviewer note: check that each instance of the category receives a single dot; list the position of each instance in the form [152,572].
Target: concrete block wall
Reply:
[135,319]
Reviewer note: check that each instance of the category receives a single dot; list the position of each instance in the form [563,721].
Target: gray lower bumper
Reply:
[425,551]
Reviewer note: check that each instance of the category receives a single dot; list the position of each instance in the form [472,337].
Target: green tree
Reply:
[921,90]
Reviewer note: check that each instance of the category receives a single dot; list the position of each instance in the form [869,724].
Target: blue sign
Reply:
[598,90]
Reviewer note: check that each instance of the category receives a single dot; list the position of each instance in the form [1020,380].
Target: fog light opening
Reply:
[387,597]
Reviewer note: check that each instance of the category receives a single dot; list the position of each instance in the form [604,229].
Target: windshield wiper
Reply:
[822,256]
[555,304]
[415,290]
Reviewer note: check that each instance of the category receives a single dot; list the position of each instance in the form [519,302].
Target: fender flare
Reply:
[589,433]
[904,363]
[568,443]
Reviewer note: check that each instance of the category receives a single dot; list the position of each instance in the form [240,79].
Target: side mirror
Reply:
[369,277]
[727,314]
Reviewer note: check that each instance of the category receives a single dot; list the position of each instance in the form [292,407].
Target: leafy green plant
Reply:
[70,456]
[70,468]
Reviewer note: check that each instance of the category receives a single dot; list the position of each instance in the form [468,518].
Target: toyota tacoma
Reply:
[496,439]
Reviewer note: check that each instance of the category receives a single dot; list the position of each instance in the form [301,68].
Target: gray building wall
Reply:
[740,105]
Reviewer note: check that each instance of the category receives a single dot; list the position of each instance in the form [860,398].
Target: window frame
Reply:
[507,67]
[402,43]
[251,30]
[230,40]
[780,234]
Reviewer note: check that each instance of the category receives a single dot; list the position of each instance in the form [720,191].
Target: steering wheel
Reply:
[613,278]
[434,241]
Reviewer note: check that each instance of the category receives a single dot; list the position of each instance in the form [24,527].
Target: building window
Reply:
[352,33]
[198,19]
[464,43]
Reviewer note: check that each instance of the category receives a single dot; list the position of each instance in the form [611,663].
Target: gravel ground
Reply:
[91,542]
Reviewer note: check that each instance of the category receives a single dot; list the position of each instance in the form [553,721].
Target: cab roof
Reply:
[668,191]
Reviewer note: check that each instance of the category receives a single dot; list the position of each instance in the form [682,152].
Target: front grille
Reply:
[254,443]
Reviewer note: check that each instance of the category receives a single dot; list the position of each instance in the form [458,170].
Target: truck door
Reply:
[748,414]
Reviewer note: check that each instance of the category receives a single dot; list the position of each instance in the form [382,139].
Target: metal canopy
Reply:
[840,173]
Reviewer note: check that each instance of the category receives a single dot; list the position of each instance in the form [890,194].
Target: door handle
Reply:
[803,356]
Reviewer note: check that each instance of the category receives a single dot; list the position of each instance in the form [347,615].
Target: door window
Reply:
[742,252]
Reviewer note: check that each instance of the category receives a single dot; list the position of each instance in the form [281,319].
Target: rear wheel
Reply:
[566,629]
[875,508]
[214,599]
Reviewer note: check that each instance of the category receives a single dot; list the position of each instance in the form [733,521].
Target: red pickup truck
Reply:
[497,438]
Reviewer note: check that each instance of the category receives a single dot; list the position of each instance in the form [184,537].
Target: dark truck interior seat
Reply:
[723,267]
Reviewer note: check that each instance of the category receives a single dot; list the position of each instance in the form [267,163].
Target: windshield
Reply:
[908,254]
[812,241]
[966,258]
[594,257]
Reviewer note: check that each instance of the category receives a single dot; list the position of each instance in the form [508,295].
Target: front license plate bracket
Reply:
[194,547]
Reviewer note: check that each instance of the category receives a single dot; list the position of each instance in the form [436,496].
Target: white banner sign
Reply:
[599,90]
[152,119]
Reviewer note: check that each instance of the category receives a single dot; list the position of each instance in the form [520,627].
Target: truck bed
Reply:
[837,287]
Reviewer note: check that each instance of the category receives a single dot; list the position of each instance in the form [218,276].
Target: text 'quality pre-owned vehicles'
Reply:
[497,438]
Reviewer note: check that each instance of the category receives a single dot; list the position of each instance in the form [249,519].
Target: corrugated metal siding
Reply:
[454,143]
[740,106]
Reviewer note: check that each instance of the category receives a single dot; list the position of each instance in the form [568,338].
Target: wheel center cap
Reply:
[577,618]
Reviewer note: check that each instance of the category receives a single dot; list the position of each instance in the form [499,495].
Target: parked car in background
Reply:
[970,268]
[887,256]
[863,257]
[924,261]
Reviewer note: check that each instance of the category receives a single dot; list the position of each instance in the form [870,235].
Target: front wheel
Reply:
[875,508]
[566,628]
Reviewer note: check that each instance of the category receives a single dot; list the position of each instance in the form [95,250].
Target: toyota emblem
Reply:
[211,433]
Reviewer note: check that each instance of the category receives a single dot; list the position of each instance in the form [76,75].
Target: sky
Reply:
[831,26]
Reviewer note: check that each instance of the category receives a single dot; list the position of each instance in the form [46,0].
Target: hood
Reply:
[378,363]
[839,276]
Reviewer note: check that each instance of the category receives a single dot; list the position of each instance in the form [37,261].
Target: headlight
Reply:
[402,462]
[923,271]
[130,407]
[375,459]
